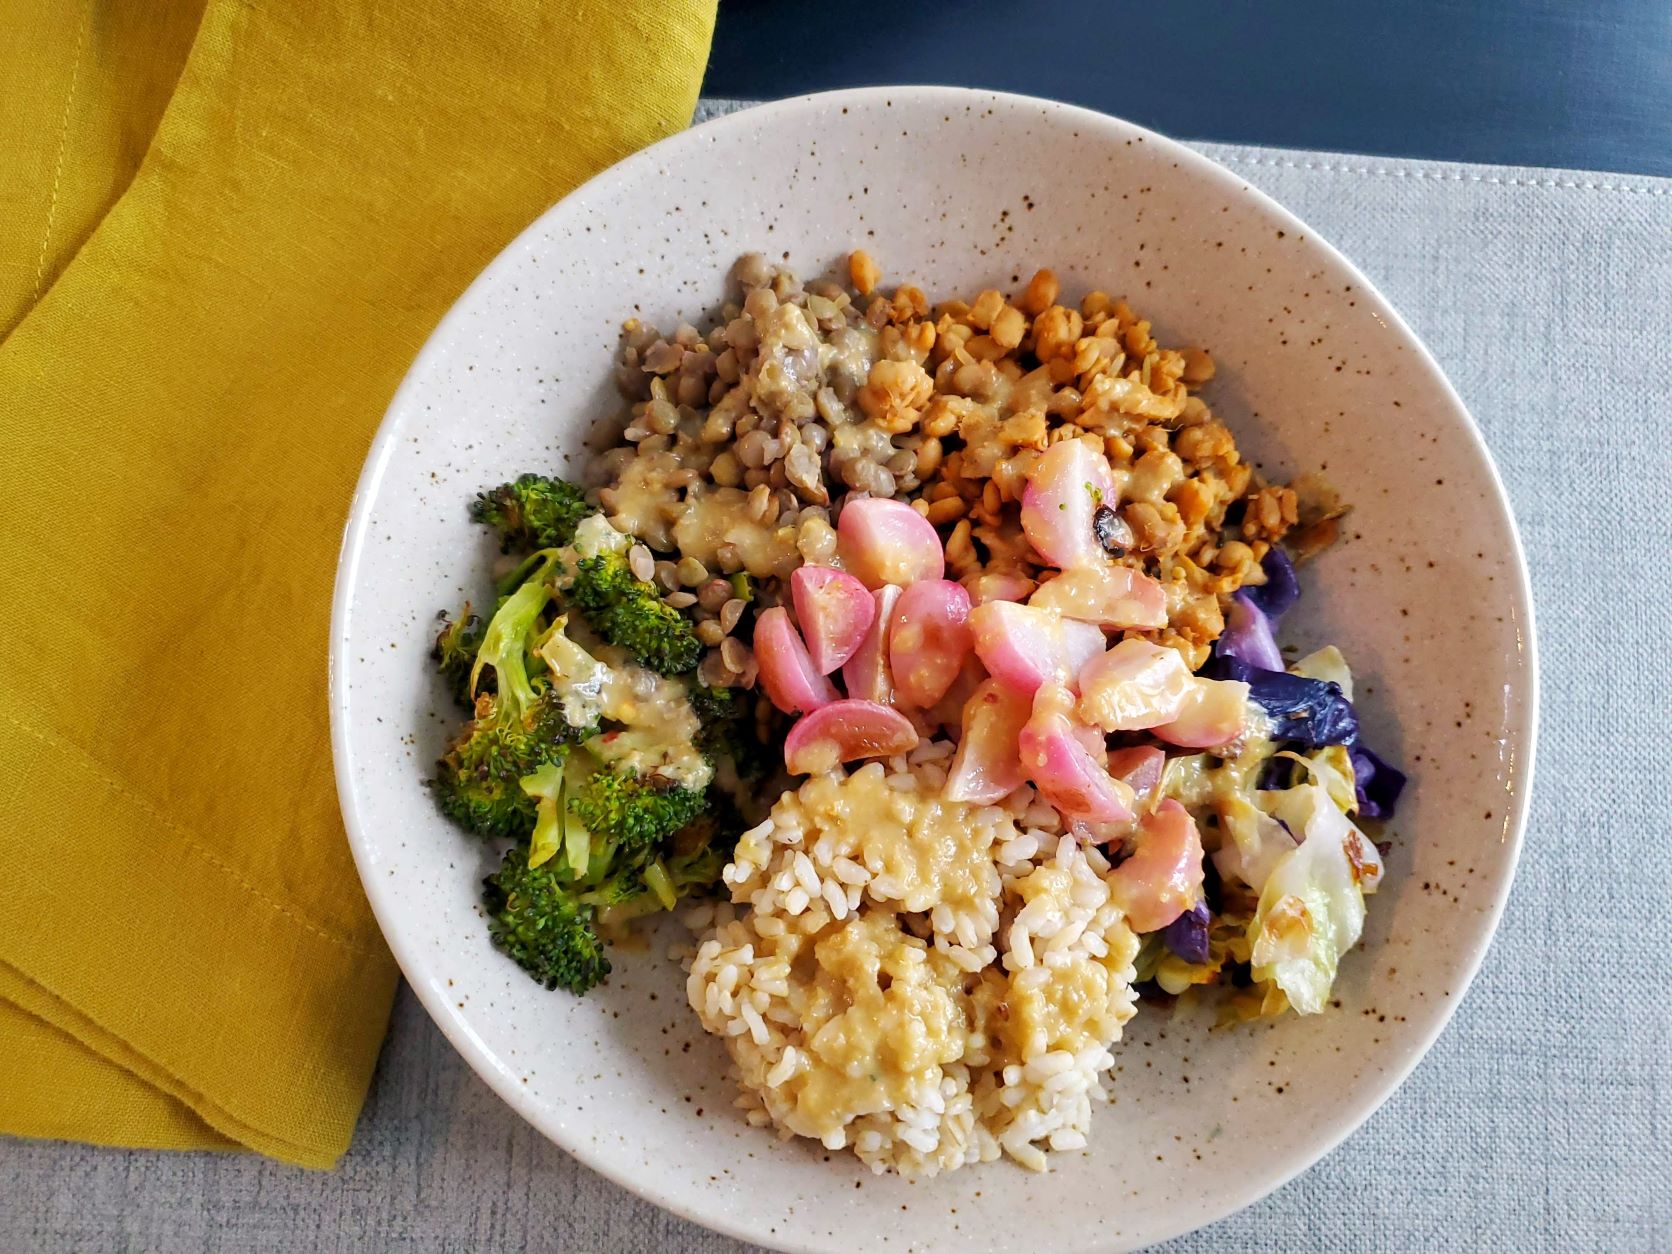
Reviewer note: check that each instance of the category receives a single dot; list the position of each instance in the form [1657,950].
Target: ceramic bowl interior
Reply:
[956,191]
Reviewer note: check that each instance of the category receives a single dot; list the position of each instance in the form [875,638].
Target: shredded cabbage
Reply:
[1150,953]
[1312,905]
[546,787]
[1296,847]
[1328,665]
[1251,856]
[1333,768]
[1204,779]
[1189,780]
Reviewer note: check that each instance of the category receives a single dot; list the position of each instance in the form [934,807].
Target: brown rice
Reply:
[993,973]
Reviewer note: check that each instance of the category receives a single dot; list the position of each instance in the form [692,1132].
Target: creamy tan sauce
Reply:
[864,438]
[847,357]
[709,518]
[645,503]
[716,517]
[1078,1006]
[788,360]
[578,677]
[1070,1011]
[661,727]
[924,847]
[879,1017]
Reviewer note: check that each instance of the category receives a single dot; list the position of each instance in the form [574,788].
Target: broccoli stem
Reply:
[547,788]
[657,881]
[505,642]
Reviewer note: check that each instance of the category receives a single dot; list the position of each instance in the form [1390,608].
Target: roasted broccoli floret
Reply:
[629,612]
[478,780]
[532,512]
[455,654]
[699,851]
[713,707]
[728,731]
[543,927]
[632,813]
[517,729]
[508,640]
[606,847]
[623,886]
[697,871]
[690,861]
[552,759]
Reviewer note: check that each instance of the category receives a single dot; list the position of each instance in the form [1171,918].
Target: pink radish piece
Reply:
[865,674]
[1139,768]
[1212,715]
[928,640]
[1163,877]
[1105,594]
[999,585]
[787,673]
[988,765]
[1068,483]
[1095,742]
[834,610]
[1068,775]
[1134,685]
[948,712]
[882,541]
[1025,647]
[844,731]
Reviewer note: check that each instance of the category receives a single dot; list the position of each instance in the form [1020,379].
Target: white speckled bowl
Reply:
[956,190]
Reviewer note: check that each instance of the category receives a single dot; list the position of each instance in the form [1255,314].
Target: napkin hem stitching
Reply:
[63,143]
[60,745]
[1443,176]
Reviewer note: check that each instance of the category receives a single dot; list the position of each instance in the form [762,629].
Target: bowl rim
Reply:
[752,117]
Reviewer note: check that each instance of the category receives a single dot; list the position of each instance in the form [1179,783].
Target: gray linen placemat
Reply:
[1542,1119]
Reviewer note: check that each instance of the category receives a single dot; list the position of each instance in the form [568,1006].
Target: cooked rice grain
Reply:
[925,982]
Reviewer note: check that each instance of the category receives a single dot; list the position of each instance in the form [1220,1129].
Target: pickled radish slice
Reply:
[999,585]
[1068,775]
[1105,594]
[834,610]
[787,673]
[1026,647]
[1095,742]
[845,731]
[1139,768]
[1068,483]
[1212,715]
[882,541]
[988,765]
[1163,877]
[948,712]
[928,640]
[1134,685]
[865,674]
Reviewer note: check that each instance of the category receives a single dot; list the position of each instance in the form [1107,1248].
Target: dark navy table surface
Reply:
[1585,84]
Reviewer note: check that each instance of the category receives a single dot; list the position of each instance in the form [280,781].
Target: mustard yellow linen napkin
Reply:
[224,232]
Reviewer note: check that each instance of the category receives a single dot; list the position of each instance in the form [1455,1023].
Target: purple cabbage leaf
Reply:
[1187,935]
[1377,783]
[1310,712]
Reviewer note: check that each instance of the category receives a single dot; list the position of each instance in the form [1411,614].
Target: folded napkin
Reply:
[224,232]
